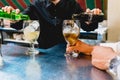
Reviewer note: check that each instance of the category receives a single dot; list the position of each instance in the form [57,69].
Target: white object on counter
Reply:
[115,46]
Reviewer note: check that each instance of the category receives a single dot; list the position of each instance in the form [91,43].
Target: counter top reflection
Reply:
[50,64]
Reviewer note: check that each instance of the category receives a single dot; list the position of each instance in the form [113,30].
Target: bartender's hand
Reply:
[80,47]
[9,9]
[95,11]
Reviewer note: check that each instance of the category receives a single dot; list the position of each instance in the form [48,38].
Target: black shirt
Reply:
[51,17]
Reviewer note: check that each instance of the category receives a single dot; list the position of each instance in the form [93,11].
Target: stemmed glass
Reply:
[71,31]
[31,34]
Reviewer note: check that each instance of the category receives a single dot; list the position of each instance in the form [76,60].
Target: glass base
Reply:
[32,51]
[73,54]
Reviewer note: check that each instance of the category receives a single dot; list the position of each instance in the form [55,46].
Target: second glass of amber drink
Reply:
[71,32]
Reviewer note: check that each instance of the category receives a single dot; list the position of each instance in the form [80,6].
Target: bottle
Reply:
[1,13]
[13,16]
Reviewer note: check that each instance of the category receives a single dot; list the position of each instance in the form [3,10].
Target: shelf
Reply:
[20,42]
[10,30]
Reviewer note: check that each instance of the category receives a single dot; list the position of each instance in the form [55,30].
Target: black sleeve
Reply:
[31,12]
[89,27]
[17,25]
[28,11]
[77,8]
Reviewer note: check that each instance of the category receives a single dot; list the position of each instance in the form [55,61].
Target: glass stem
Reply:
[32,45]
[33,54]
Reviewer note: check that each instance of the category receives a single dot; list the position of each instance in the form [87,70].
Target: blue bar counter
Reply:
[49,64]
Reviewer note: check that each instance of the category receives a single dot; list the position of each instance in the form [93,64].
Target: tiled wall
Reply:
[21,4]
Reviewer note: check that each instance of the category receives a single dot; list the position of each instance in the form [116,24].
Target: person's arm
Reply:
[9,9]
[76,7]
[19,24]
[16,23]
[80,47]
[101,56]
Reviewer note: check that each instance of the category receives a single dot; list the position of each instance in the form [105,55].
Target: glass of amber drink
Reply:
[71,32]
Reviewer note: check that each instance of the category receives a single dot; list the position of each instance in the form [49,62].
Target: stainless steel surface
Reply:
[50,64]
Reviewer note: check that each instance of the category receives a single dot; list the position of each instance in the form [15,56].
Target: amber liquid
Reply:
[71,38]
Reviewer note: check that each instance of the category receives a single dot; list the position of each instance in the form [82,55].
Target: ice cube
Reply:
[28,29]
[35,25]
